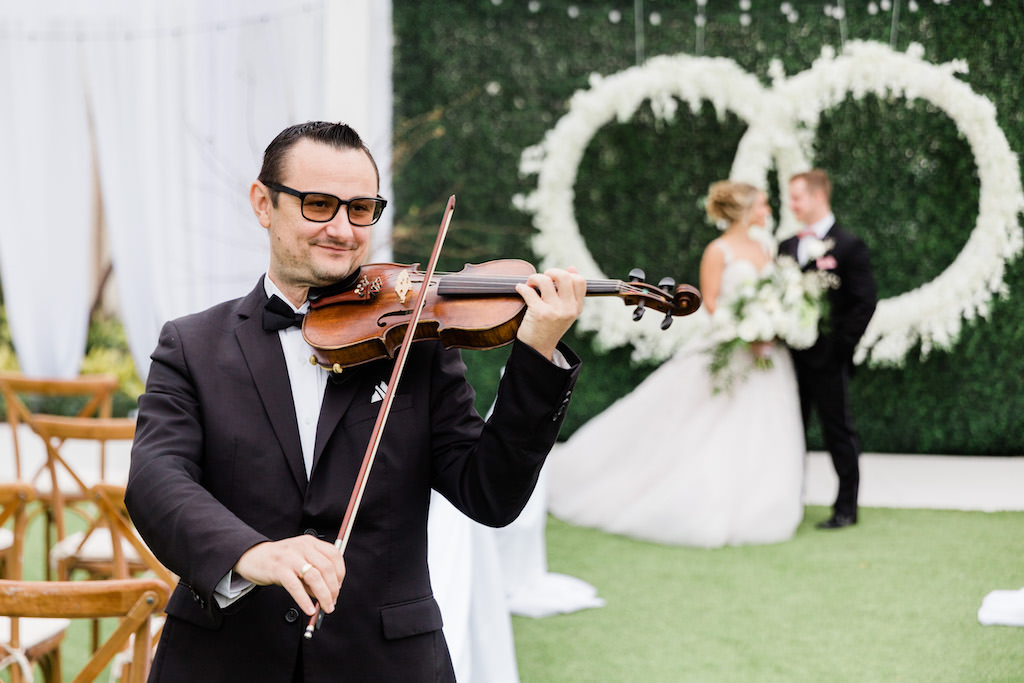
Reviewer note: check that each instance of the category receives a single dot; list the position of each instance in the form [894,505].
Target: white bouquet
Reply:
[783,303]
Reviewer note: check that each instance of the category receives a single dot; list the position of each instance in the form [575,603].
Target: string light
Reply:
[638,29]
[700,20]
[745,13]
[88,29]
[835,9]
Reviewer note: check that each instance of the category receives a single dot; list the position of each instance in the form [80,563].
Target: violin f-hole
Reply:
[381,322]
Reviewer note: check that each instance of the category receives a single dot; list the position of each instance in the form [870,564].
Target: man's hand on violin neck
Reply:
[554,299]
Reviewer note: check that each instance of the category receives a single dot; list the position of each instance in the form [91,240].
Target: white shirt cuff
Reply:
[231,588]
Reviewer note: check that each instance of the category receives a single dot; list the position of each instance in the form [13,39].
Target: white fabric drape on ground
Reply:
[1002,608]
[466,575]
[531,590]
[481,576]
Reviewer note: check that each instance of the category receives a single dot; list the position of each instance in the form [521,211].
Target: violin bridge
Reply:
[403,285]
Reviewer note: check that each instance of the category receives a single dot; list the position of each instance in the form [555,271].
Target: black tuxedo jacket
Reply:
[217,468]
[851,305]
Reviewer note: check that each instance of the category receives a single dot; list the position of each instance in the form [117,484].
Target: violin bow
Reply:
[348,521]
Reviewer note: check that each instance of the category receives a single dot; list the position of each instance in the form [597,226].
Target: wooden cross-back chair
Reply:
[14,499]
[69,484]
[97,391]
[56,491]
[25,643]
[134,601]
[111,547]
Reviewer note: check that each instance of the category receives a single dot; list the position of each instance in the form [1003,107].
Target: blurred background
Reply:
[132,130]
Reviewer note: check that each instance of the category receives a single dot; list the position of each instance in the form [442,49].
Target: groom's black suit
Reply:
[823,370]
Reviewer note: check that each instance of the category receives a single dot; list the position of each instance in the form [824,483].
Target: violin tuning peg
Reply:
[637,275]
[667,321]
[667,284]
[638,312]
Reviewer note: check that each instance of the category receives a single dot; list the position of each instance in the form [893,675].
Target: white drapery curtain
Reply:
[182,98]
[183,113]
[47,191]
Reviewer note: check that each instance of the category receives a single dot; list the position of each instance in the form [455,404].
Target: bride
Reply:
[676,462]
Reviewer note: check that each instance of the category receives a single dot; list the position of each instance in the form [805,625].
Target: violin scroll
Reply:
[669,298]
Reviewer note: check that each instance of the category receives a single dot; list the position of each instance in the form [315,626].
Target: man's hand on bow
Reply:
[304,565]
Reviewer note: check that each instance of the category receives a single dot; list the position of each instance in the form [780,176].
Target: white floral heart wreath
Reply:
[781,123]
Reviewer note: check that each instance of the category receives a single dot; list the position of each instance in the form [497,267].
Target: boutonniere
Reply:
[826,262]
[816,248]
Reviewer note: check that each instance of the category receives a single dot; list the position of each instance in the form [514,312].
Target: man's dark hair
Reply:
[338,135]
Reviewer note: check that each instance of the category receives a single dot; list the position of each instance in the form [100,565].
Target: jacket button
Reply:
[311,532]
[291,615]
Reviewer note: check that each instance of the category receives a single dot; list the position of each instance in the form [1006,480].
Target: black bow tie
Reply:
[277,315]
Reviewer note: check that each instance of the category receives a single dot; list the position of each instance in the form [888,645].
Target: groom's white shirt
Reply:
[820,229]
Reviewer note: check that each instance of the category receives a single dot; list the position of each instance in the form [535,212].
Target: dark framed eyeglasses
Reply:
[320,207]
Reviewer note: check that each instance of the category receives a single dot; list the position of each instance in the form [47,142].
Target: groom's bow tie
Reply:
[806,232]
[277,315]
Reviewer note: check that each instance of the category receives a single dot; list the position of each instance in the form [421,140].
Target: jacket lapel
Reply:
[788,246]
[341,390]
[261,351]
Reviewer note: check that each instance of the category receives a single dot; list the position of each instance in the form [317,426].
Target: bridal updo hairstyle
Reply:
[729,201]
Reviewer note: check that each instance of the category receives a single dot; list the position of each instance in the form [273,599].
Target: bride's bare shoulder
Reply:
[717,246]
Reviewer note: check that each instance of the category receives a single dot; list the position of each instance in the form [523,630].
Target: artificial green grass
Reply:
[894,598]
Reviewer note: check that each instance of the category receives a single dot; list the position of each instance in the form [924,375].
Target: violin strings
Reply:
[499,284]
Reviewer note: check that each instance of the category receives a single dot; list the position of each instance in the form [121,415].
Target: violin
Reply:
[475,308]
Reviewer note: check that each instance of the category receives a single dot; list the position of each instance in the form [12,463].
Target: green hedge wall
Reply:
[476,82]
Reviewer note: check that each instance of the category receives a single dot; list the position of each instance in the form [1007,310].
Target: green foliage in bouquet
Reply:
[726,365]
[479,81]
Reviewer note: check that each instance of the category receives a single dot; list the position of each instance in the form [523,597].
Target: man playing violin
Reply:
[246,454]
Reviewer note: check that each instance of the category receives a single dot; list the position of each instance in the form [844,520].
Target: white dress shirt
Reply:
[308,383]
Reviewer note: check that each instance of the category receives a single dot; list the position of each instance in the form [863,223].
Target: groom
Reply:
[823,371]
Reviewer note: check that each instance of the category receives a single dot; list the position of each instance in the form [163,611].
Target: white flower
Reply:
[783,303]
[780,135]
[817,248]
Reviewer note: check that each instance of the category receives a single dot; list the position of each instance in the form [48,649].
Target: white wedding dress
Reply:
[674,463]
